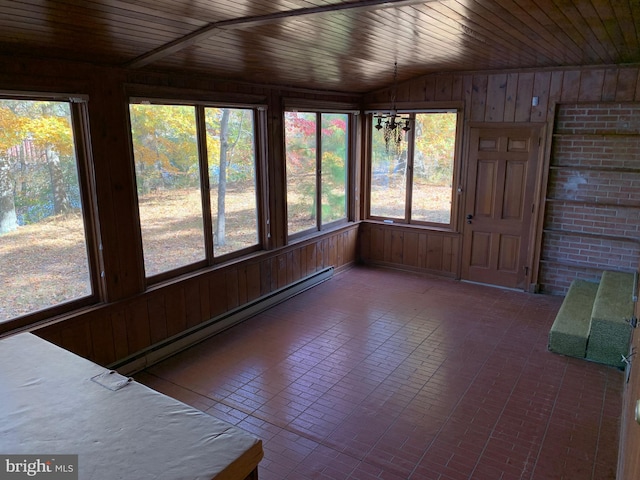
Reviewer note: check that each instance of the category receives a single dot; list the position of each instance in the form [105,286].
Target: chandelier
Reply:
[393,125]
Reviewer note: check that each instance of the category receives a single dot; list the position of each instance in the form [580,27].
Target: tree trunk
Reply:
[61,203]
[222,179]
[8,217]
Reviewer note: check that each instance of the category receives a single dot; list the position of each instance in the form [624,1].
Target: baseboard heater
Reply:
[172,345]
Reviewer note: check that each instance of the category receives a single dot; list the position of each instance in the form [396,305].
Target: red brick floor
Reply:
[379,374]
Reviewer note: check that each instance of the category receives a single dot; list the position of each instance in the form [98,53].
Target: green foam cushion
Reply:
[570,330]
[610,332]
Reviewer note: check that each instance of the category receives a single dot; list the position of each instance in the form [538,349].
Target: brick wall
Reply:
[592,217]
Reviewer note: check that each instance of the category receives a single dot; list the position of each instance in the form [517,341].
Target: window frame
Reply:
[259,110]
[79,116]
[456,187]
[318,109]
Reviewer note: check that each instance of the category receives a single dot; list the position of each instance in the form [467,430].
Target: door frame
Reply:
[539,193]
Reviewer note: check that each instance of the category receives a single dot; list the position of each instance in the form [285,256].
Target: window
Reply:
[197,184]
[317,166]
[414,184]
[45,262]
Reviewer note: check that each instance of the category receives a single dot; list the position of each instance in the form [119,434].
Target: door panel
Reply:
[499,204]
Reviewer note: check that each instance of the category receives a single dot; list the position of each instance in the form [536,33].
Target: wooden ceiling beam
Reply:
[214,28]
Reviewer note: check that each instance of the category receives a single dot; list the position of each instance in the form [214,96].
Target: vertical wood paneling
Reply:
[626,86]
[410,248]
[340,246]
[102,340]
[77,338]
[541,85]
[176,313]
[158,318]
[253,281]
[265,276]
[478,98]
[555,92]
[523,97]
[510,97]
[137,321]
[422,250]
[333,251]
[397,245]
[591,82]
[451,255]
[281,269]
[444,85]
[232,290]
[434,252]
[609,85]
[570,86]
[311,258]
[429,89]
[192,303]
[364,243]
[387,244]
[377,243]
[205,304]
[119,325]
[243,293]
[496,98]
[457,88]
[298,272]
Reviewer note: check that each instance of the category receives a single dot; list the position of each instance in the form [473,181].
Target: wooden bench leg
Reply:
[253,475]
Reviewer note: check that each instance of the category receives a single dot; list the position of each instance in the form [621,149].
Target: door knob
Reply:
[469,216]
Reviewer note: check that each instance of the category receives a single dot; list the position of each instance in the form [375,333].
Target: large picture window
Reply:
[317,168]
[45,261]
[413,182]
[197,183]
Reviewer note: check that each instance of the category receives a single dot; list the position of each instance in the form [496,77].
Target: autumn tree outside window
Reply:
[197,183]
[415,182]
[317,153]
[45,264]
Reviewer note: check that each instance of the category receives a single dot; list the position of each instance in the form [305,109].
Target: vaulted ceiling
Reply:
[348,46]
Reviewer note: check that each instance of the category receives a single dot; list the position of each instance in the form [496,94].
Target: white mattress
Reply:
[55,402]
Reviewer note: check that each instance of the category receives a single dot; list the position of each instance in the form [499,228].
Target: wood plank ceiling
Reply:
[348,46]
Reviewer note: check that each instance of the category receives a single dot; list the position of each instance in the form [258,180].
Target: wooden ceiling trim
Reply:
[209,30]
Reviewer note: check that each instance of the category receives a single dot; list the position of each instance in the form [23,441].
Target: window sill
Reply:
[412,226]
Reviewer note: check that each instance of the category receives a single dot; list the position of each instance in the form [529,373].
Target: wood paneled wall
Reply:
[410,248]
[112,332]
[508,97]
[130,316]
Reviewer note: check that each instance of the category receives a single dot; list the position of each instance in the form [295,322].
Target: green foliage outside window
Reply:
[304,169]
[43,246]
[430,168]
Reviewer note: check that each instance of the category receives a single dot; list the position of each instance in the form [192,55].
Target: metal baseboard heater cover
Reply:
[172,345]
